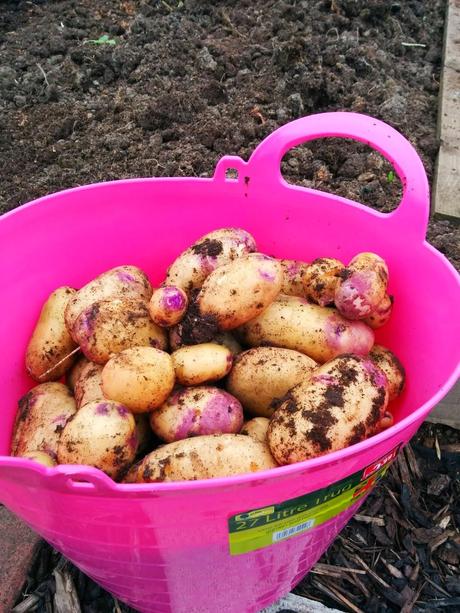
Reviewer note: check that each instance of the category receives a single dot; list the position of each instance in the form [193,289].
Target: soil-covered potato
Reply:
[294,274]
[321,280]
[167,305]
[392,367]
[88,385]
[257,428]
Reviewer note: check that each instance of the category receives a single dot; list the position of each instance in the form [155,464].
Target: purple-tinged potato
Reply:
[41,457]
[203,457]
[319,332]
[120,282]
[197,411]
[321,280]
[261,376]
[167,305]
[342,403]
[88,385]
[362,286]
[219,247]
[382,313]
[101,434]
[141,378]
[109,326]
[392,367]
[294,273]
[74,373]
[42,414]
[51,342]
[257,428]
[201,363]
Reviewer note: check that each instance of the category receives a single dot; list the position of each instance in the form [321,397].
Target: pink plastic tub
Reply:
[221,545]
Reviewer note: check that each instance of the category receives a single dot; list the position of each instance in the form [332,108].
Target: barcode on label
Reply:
[282,534]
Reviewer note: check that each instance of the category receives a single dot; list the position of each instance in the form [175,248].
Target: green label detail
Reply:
[262,527]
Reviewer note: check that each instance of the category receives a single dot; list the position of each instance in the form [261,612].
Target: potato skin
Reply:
[319,332]
[192,267]
[101,434]
[203,457]
[42,414]
[381,314]
[74,373]
[110,326]
[362,287]
[321,280]
[239,291]
[88,386]
[263,375]
[392,367]
[119,282]
[257,428]
[197,411]
[167,305]
[51,341]
[41,457]
[141,378]
[201,363]
[294,273]
[341,404]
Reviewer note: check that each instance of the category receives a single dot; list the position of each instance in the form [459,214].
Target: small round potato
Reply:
[110,326]
[42,414]
[167,305]
[321,280]
[382,313]
[257,428]
[342,403]
[140,378]
[74,373]
[101,434]
[201,363]
[196,411]
[392,367]
[41,457]
[203,457]
[120,282]
[260,377]
[88,386]
[294,273]
[51,342]
[362,286]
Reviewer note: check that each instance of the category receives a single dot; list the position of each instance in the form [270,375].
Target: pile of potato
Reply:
[237,363]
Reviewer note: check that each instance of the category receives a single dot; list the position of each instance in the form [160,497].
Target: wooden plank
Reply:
[447,412]
[446,188]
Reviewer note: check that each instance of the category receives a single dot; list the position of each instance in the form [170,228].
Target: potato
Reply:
[192,267]
[201,363]
[237,292]
[51,342]
[119,282]
[321,280]
[392,367]
[196,411]
[42,414]
[110,326]
[227,340]
[74,373]
[260,377]
[203,457]
[257,428]
[88,386]
[362,286]
[319,332]
[41,457]
[167,305]
[101,434]
[140,378]
[341,404]
[294,272]
[381,314]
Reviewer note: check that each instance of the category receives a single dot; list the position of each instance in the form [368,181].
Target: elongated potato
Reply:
[42,414]
[101,434]
[196,411]
[110,326]
[201,363]
[321,280]
[167,305]
[141,378]
[319,332]
[203,457]
[392,367]
[342,403]
[362,287]
[261,376]
[41,457]
[294,273]
[119,282]
[51,342]
[192,267]
[257,428]
[381,314]
[74,373]
[88,386]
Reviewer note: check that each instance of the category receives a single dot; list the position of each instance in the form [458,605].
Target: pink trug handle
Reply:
[412,214]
